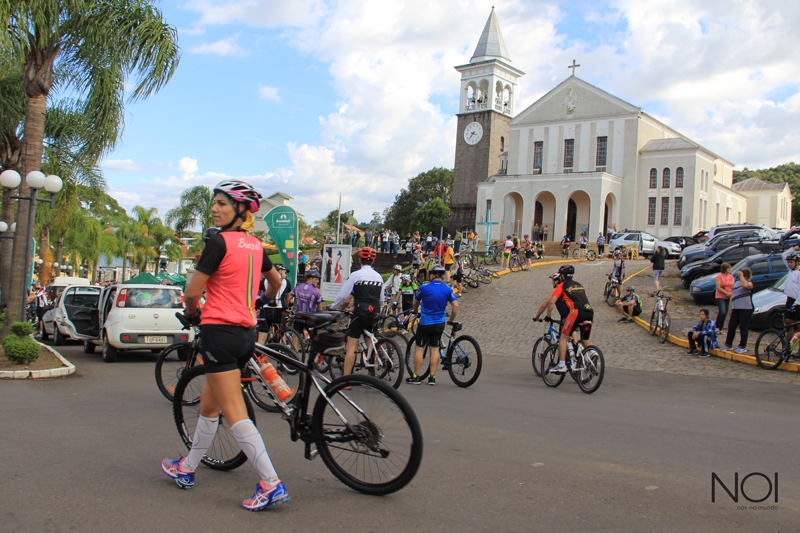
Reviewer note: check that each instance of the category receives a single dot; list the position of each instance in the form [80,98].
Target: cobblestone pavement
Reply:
[499,317]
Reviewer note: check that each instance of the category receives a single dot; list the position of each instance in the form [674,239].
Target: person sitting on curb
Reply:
[630,305]
[703,335]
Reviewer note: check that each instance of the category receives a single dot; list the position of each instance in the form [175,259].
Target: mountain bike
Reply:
[774,347]
[517,262]
[611,291]
[549,338]
[460,356]
[365,432]
[579,252]
[659,319]
[586,366]
[379,356]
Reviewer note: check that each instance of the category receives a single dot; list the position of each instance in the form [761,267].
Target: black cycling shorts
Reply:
[578,320]
[268,316]
[448,267]
[226,348]
[429,335]
[359,324]
[458,277]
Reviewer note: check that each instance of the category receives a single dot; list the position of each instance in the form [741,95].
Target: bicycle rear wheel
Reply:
[539,347]
[464,361]
[594,368]
[294,340]
[771,346]
[426,359]
[664,333]
[171,364]
[390,365]
[379,448]
[550,360]
[486,277]
[224,453]
[653,322]
[576,253]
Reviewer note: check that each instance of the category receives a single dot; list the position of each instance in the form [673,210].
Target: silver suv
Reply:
[764,231]
[646,243]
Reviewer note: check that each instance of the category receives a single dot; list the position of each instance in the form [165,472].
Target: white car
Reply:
[128,317]
[646,243]
[74,314]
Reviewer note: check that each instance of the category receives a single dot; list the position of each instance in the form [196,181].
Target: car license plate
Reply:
[151,339]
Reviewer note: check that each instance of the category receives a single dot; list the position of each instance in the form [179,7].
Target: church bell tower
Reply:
[488,87]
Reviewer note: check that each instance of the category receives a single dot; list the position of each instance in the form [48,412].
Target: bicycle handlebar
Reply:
[186,321]
[547,319]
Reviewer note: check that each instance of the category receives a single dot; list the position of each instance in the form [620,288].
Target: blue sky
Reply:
[314,98]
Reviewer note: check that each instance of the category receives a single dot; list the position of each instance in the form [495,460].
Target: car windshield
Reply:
[780,284]
[165,298]
[715,240]
[739,265]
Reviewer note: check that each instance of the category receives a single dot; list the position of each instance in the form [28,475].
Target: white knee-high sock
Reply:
[252,445]
[203,437]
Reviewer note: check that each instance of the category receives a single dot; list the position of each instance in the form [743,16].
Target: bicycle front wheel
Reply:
[539,347]
[653,322]
[486,278]
[464,361]
[591,255]
[388,360]
[293,339]
[613,296]
[170,366]
[771,346]
[224,453]
[593,369]
[664,333]
[549,361]
[576,253]
[426,359]
[373,444]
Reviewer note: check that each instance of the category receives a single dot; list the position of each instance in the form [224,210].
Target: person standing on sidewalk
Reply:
[723,294]
[658,266]
[545,231]
[741,310]
[601,245]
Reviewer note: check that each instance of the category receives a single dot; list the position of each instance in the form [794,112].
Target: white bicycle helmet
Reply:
[240,192]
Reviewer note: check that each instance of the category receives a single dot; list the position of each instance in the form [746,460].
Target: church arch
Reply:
[483,94]
[544,213]
[507,98]
[511,222]
[578,213]
[609,213]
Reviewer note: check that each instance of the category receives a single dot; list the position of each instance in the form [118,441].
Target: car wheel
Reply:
[109,352]
[58,338]
[776,320]
[88,347]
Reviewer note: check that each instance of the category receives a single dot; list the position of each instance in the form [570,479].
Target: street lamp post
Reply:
[36,180]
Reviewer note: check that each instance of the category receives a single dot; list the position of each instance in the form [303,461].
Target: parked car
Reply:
[768,306]
[132,317]
[731,255]
[59,283]
[728,228]
[646,243]
[74,313]
[767,269]
[701,236]
[701,252]
[682,241]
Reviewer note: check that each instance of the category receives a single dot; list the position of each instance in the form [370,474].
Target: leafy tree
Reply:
[787,173]
[94,47]
[435,183]
[194,208]
[431,216]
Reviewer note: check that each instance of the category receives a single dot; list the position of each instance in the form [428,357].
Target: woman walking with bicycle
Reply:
[229,271]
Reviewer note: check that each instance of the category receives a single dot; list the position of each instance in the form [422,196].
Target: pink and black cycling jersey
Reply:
[234,261]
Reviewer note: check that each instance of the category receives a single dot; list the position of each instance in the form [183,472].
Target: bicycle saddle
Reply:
[319,320]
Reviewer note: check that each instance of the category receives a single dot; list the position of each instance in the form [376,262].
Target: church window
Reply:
[676,217]
[664,211]
[653,178]
[569,154]
[728,214]
[665,178]
[602,150]
[651,211]
[679,177]
[538,150]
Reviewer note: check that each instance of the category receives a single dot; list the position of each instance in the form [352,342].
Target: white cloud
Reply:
[265,92]
[188,166]
[223,47]
[120,164]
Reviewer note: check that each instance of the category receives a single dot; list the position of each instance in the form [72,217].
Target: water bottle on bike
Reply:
[275,382]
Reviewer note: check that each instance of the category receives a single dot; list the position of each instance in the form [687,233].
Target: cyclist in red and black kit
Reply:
[229,270]
[569,296]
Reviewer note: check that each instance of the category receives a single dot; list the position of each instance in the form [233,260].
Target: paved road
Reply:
[82,453]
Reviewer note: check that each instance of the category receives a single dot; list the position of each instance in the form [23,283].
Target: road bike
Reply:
[579,252]
[774,347]
[366,433]
[659,319]
[549,338]
[460,356]
[586,366]
[611,291]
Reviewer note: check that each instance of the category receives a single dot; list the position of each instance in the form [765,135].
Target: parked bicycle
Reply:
[549,338]
[586,366]
[579,252]
[774,347]
[460,356]
[365,432]
[659,319]
[517,261]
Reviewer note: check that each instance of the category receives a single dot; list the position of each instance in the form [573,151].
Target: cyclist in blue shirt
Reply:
[432,298]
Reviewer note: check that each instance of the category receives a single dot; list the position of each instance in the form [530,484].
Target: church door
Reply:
[537,214]
[605,219]
[572,219]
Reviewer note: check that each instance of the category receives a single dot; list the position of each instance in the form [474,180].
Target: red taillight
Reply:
[121,298]
[126,337]
[184,337]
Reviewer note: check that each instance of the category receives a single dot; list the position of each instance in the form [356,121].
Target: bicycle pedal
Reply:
[311,454]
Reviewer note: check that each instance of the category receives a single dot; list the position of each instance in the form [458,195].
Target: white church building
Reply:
[581,156]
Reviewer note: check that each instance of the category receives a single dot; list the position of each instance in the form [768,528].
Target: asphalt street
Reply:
[508,454]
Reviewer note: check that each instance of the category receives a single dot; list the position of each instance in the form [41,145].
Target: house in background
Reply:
[268,204]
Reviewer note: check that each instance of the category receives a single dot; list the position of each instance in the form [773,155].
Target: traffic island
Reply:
[49,364]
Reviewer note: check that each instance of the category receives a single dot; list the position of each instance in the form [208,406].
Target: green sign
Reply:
[283,229]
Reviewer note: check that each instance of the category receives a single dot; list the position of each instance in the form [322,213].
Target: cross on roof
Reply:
[573,66]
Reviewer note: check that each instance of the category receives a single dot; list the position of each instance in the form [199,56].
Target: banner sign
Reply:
[336,260]
[283,229]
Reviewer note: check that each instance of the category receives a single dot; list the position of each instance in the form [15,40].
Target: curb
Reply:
[64,371]
[731,356]
[560,262]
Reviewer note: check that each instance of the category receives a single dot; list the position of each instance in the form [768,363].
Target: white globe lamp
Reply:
[35,179]
[10,179]
[53,184]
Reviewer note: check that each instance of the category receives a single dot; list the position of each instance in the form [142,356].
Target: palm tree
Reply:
[195,208]
[95,47]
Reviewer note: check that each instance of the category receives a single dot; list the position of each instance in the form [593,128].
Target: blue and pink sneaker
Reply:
[174,469]
[264,497]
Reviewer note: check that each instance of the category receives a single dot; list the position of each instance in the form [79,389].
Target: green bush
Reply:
[19,347]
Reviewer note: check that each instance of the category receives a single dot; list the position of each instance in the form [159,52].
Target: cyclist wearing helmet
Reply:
[308,298]
[391,289]
[630,304]
[432,298]
[229,270]
[364,287]
[548,304]
[579,316]
[791,258]
[407,291]
[619,267]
